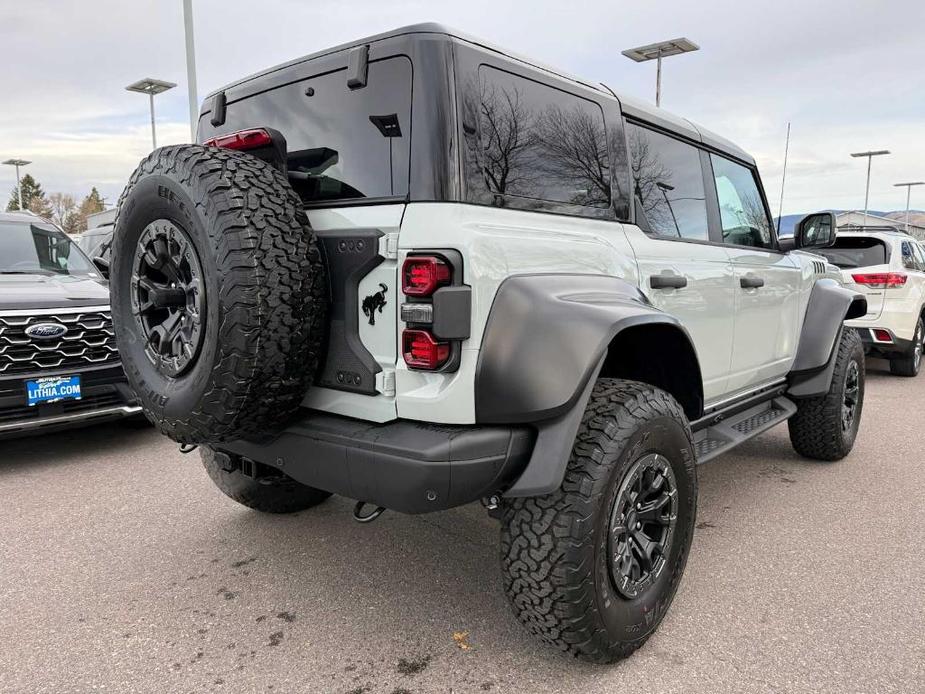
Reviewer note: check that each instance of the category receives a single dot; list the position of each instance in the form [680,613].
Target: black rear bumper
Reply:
[402,465]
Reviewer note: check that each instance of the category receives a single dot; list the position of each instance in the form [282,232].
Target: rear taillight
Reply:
[422,351]
[880,280]
[423,275]
[242,140]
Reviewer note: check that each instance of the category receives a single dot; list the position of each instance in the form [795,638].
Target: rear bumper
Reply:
[880,348]
[105,395]
[412,467]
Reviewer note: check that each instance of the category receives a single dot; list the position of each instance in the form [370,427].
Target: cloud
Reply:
[846,73]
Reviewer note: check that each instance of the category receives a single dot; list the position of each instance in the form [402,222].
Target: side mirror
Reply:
[816,230]
[102,265]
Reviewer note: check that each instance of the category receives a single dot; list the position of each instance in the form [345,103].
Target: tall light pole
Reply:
[190,68]
[22,162]
[657,51]
[870,155]
[151,87]
[908,187]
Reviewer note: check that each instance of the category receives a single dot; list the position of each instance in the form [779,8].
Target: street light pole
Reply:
[870,155]
[151,87]
[908,187]
[657,51]
[191,68]
[17,163]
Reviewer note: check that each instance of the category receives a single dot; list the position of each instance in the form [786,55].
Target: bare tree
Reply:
[652,181]
[506,137]
[64,212]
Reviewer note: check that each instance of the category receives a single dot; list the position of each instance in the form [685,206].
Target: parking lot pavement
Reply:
[122,569]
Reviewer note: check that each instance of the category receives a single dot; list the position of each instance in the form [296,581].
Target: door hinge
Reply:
[388,245]
[385,382]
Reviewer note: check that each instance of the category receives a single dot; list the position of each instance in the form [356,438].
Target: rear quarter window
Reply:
[534,146]
[858,251]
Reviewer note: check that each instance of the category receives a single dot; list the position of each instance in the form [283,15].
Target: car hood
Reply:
[19,292]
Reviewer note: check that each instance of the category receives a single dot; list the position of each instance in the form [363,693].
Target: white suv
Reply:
[889,268]
[418,272]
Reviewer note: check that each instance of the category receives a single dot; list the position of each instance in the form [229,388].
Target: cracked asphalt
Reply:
[123,570]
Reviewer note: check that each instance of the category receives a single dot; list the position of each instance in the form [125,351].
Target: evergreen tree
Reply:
[31,190]
[91,204]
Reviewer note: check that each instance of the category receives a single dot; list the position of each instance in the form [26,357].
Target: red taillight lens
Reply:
[422,351]
[242,140]
[881,335]
[422,275]
[880,280]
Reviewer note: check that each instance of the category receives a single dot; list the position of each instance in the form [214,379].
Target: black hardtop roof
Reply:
[634,108]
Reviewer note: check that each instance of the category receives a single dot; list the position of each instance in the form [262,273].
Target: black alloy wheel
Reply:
[168,296]
[642,524]
[852,396]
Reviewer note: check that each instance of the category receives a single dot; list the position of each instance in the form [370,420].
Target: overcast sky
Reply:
[849,74]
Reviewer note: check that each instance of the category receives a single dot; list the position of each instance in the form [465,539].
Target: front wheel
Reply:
[593,567]
[825,427]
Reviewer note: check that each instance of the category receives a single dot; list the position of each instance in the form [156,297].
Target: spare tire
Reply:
[219,294]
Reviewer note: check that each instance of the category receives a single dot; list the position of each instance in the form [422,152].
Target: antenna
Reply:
[783,180]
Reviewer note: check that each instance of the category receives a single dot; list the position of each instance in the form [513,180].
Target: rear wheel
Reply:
[593,567]
[276,493]
[825,427]
[910,364]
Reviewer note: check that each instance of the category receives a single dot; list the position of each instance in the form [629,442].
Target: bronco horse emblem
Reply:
[373,302]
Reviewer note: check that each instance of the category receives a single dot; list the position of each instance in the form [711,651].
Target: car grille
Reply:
[89,341]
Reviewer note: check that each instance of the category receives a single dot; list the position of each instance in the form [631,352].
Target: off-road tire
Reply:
[554,548]
[277,494]
[909,364]
[265,295]
[816,429]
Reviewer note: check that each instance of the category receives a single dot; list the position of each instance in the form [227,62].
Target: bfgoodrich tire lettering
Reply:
[819,429]
[263,285]
[555,549]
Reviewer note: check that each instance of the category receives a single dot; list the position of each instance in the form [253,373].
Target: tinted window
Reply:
[40,249]
[919,255]
[909,260]
[855,251]
[744,219]
[537,144]
[668,185]
[342,143]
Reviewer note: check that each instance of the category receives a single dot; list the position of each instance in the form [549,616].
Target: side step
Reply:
[727,433]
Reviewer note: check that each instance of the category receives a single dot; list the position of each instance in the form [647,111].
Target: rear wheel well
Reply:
[660,355]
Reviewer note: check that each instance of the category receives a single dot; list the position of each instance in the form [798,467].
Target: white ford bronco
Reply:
[419,272]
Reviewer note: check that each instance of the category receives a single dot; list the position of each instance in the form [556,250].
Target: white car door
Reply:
[680,270]
[767,282]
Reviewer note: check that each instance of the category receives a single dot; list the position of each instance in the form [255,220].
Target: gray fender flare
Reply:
[830,305]
[545,342]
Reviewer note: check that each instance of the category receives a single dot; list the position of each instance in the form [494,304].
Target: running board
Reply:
[725,434]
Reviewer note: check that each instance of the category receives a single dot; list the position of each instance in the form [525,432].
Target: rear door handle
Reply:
[751,282]
[667,281]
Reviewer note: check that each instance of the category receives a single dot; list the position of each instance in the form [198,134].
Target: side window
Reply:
[667,185]
[538,144]
[919,256]
[909,260]
[742,212]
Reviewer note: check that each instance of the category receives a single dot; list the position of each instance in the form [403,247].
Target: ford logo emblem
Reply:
[45,331]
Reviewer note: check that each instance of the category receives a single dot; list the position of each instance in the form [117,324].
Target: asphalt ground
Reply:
[122,569]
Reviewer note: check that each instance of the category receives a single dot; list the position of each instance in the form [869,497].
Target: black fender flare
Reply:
[545,342]
[830,305]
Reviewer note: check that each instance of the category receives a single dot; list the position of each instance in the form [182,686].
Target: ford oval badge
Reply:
[45,331]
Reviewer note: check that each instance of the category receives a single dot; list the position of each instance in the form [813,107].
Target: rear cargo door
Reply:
[861,255]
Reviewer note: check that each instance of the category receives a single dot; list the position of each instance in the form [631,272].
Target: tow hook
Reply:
[492,504]
[361,517]
[186,448]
